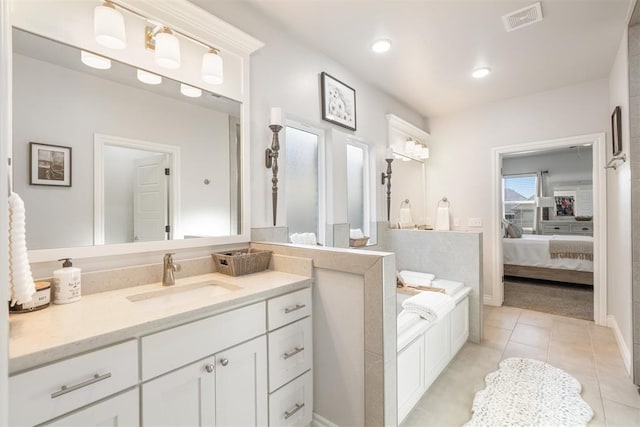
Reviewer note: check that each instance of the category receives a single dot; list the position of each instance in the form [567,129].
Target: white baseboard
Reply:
[622,346]
[320,421]
[491,300]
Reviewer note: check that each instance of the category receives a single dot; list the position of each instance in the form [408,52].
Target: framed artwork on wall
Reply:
[50,165]
[616,131]
[338,102]
[565,202]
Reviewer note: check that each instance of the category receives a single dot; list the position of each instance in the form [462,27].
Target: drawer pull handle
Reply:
[64,389]
[289,414]
[292,352]
[585,229]
[224,362]
[556,228]
[294,308]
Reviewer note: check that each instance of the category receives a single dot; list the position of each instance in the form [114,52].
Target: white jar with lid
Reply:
[66,283]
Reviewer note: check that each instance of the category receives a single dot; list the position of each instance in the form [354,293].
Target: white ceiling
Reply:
[437,43]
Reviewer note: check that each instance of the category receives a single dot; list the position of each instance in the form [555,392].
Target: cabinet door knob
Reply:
[224,362]
[209,367]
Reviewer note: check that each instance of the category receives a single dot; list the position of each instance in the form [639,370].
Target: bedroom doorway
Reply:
[551,192]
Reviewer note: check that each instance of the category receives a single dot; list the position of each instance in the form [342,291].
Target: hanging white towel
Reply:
[21,286]
[429,305]
[442,216]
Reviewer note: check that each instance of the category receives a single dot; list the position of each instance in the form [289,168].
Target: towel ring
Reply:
[443,200]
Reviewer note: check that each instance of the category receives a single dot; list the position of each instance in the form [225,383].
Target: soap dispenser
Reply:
[66,283]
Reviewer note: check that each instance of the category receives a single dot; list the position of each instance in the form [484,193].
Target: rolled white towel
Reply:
[415,278]
[429,305]
[355,233]
[406,320]
[21,285]
[450,287]
[303,238]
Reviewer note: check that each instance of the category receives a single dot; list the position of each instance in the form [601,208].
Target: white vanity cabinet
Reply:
[226,389]
[119,411]
[290,359]
[45,393]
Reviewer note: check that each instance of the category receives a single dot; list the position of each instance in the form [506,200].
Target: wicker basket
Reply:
[244,261]
[358,243]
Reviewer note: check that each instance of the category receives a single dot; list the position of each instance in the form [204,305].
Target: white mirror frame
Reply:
[235,48]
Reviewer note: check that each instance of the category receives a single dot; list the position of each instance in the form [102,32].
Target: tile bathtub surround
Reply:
[586,351]
[270,234]
[375,272]
[449,255]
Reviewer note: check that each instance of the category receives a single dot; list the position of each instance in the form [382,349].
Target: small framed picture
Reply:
[50,165]
[565,202]
[338,102]
[616,131]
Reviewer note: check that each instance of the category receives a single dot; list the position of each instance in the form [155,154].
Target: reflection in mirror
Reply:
[58,100]
[408,184]
[302,188]
[357,188]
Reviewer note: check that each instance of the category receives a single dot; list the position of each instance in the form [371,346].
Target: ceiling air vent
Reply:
[522,17]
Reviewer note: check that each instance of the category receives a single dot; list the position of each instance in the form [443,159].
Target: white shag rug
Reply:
[526,392]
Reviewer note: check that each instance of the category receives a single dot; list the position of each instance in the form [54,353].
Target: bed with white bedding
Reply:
[530,257]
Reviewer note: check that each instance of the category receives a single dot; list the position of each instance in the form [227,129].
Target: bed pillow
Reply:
[514,231]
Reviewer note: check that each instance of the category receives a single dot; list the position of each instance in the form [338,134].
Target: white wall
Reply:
[619,231]
[461,159]
[564,167]
[286,73]
[55,105]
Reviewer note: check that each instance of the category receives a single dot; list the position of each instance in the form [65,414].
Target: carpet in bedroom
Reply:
[549,297]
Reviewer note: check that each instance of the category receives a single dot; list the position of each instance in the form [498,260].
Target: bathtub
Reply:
[426,348]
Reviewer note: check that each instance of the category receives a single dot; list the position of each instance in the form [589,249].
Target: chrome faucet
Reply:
[168,278]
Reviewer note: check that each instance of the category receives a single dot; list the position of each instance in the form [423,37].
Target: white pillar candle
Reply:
[389,154]
[276,116]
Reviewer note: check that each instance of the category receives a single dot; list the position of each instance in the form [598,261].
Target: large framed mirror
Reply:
[159,159]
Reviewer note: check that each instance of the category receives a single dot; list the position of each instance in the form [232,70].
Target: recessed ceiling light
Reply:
[480,73]
[95,61]
[381,46]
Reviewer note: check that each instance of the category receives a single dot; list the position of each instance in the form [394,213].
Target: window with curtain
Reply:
[519,200]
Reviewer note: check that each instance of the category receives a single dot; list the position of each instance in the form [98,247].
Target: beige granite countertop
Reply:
[101,319]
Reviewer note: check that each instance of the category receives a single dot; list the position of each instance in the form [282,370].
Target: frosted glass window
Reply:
[301,188]
[356,187]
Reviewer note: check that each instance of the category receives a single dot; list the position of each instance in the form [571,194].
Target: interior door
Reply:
[150,199]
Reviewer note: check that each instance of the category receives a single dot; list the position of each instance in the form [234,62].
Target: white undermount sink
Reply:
[179,294]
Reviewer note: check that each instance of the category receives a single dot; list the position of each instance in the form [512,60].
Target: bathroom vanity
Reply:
[212,350]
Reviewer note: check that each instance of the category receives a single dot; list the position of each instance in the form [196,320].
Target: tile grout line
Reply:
[595,363]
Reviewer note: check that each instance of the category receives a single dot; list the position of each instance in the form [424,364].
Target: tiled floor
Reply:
[586,351]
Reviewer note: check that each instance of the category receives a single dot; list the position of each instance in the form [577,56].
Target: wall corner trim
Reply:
[622,346]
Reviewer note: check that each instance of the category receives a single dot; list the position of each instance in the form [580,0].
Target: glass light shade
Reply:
[190,91]
[148,78]
[167,50]
[212,70]
[409,146]
[406,159]
[424,152]
[95,61]
[108,27]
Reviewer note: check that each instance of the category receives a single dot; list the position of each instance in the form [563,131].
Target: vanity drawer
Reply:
[292,405]
[582,228]
[290,352]
[289,308]
[179,346]
[44,393]
[557,228]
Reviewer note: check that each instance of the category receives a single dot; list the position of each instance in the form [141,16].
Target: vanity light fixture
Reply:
[148,78]
[95,61]
[166,46]
[190,91]
[108,26]
[387,177]
[480,73]
[271,157]
[212,71]
[381,46]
